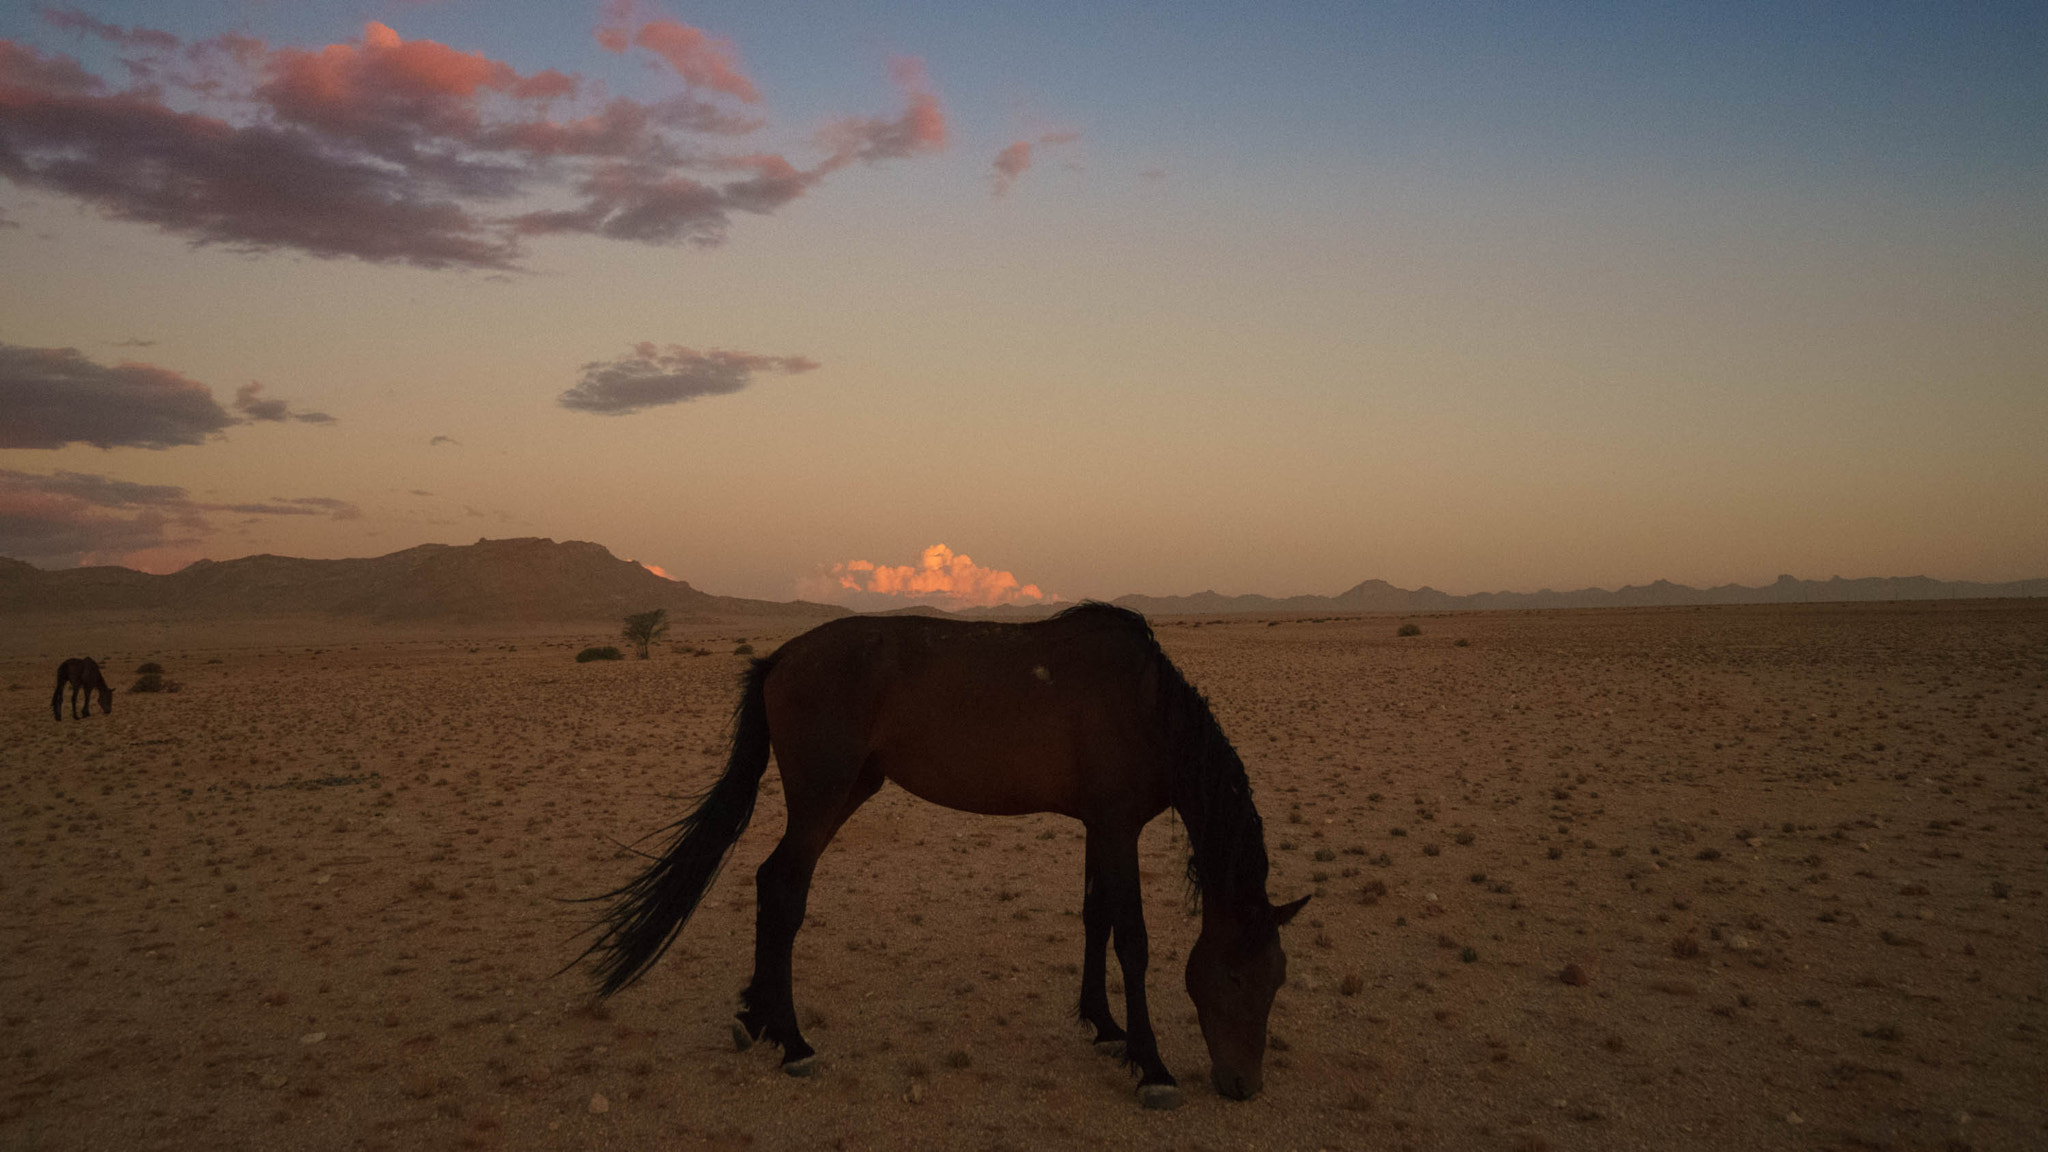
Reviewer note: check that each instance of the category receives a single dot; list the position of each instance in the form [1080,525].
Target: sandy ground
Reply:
[1697,878]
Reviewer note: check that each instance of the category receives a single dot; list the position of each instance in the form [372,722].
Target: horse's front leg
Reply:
[1095,926]
[1156,1086]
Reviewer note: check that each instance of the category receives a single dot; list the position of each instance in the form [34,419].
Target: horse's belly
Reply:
[988,779]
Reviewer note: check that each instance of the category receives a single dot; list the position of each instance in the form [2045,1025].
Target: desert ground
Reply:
[1719,878]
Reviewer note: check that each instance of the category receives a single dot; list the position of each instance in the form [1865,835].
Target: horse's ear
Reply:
[1285,912]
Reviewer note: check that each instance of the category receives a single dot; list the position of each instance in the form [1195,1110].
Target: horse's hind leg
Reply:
[783,884]
[1095,926]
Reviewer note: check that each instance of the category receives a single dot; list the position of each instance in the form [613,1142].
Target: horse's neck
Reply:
[1229,845]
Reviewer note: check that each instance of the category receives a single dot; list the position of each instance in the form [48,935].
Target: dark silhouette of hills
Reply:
[1380,596]
[533,579]
[517,580]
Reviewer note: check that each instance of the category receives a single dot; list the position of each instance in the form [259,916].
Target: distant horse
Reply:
[83,675]
[1081,714]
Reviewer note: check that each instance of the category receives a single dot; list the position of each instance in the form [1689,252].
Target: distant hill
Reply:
[1380,596]
[525,579]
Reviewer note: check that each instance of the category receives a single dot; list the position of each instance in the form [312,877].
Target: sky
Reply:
[1028,302]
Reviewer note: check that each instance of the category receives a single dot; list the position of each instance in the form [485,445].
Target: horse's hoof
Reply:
[741,1038]
[1159,1097]
[803,1067]
[1110,1048]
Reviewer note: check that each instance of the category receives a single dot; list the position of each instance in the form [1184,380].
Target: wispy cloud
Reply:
[437,441]
[651,377]
[411,151]
[921,127]
[1015,159]
[701,59]
[68,518]
[72,20]
[50,397]
[941,578]
[256,408]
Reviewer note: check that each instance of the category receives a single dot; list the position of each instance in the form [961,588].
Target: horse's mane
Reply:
[1206,781]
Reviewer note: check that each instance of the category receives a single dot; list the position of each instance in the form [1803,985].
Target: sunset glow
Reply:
[1487,299]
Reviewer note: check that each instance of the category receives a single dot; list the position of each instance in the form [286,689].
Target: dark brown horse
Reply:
[82,673]
[1082,715]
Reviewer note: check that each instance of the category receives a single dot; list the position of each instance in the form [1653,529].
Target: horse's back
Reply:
[993,718]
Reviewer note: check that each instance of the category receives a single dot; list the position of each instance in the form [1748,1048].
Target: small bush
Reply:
[605,653]
[151,682]
[744,650]
[150,668]
[1409,630]
[1461,642]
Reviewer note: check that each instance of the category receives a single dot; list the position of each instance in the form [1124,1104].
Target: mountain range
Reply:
[1380,596]
[535,579]
[524,579]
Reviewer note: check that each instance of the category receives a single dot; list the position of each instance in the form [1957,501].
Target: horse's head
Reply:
[106,698]
[1234,970]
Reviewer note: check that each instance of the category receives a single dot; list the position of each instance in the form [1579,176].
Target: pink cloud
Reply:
[615,28]
[920,128]
[1015,158]
[410,151]
[391,92]
[699,58]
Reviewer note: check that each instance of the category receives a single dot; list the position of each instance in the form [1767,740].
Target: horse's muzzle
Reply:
[1234,1085]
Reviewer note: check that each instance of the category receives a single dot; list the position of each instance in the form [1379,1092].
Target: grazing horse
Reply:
[1081,714]
[82,673]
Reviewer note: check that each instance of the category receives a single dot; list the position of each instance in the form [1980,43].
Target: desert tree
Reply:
[644,628]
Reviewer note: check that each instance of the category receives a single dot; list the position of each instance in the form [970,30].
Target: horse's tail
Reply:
[648,911]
